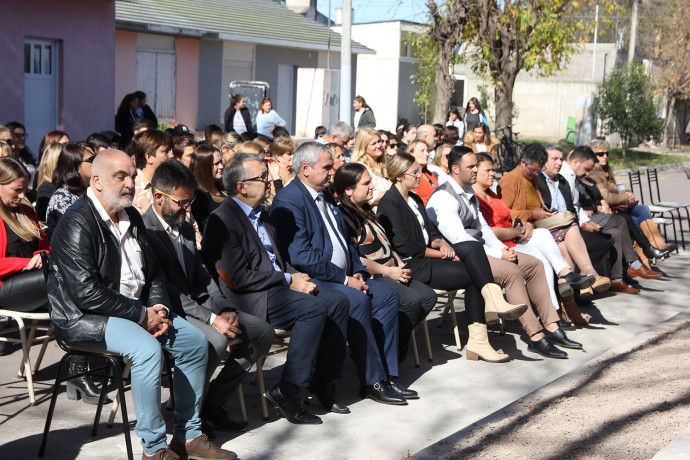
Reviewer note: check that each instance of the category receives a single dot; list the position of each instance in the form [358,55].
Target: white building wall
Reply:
[378,74]
[545,103]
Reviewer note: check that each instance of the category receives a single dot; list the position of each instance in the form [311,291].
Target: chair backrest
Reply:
[652,177]
[634,178]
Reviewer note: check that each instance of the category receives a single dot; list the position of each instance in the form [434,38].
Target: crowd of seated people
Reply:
[184,241]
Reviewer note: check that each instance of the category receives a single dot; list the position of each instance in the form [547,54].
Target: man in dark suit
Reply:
[239,249]
[196,297]
[312,233]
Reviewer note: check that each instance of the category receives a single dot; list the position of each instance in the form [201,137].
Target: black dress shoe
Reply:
[219,418]
[383,393]
[326,394]
[403,390]
[545,348]
[656,253]
[291,408]
[578,281]
[565,325]
[558,337]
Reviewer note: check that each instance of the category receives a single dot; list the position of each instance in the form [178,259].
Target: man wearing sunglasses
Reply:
[195,296]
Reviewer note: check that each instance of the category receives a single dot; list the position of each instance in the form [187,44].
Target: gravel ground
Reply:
[626,407]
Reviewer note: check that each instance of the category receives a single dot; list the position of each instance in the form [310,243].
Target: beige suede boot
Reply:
[495,303]
[478,346]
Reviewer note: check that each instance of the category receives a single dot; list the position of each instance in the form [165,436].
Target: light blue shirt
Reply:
[266,121]
[557,199]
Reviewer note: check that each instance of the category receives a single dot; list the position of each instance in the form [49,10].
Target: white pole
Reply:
[633,32]
[594,51]
[346,63]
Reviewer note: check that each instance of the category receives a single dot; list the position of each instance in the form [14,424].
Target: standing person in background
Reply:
[125,117]
[267,119]
[143,110]
[363,116]
[21,151]
[237,117]
[474,114]
[454,119]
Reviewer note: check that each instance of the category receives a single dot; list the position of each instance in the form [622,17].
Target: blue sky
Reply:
[380,10]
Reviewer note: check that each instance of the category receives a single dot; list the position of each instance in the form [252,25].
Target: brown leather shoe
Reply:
[622,286]
[644,272]
[201,449]
[161,454]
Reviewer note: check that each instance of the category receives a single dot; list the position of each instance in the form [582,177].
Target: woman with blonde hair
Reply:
[250,147]
[369,151]
[44,177]
[439,165]
[435,263]
[228,146]
[21,243]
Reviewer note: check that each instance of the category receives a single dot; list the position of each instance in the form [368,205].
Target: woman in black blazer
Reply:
[434,261]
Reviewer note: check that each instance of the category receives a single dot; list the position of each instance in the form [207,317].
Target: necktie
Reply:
[323,207]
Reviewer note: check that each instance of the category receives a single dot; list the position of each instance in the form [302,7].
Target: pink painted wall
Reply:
[85,30]
[125,64]
[187,82]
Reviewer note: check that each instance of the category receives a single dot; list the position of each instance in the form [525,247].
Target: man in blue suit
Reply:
[312,235]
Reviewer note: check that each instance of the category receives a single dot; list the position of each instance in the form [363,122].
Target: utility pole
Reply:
[346,63]
[633,31]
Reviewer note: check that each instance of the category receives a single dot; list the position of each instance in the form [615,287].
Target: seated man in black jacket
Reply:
[195,295]
[106,291]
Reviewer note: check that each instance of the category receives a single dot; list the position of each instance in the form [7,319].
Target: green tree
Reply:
[508,36]
[426,51]
[625,104]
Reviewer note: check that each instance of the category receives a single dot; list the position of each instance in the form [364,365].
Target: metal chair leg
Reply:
[427,340]
[262,386]
[51,408]
[415,352]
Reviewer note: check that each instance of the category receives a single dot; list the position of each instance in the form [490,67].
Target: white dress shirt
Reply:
[443,209]
[132,279]
[569,174]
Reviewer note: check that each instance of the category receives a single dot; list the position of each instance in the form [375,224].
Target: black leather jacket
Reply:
[84,278]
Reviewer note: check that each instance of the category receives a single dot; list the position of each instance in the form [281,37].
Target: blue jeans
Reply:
[188,346]
[640,213]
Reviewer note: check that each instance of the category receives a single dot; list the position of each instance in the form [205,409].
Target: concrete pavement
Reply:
[455,393]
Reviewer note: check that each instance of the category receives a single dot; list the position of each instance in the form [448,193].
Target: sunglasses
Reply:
[90,160]
[181,203]
[601,154]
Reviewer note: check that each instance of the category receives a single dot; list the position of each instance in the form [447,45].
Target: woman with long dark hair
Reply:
[354,190]
[125,117]
[208,170]
[70,179]
[474,114]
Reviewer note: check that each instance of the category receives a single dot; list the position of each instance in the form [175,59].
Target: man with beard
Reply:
[107,292]
[196,297]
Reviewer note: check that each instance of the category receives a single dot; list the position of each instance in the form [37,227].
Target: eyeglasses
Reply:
[23,135]
[601,154]
[415,173]
[393,145]
[181,203]
[262,178]
[535,171]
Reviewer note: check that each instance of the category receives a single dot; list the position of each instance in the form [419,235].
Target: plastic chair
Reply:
[33,321]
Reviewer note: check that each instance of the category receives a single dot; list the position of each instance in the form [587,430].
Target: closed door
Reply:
[285,95]
[40,90]
[156,77]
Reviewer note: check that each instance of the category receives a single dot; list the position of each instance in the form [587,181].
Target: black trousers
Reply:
[24,291]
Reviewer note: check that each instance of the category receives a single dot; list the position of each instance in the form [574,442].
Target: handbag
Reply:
[24,291]
[561,219]
[625,207]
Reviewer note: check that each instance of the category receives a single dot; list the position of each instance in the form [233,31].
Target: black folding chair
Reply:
[653,178]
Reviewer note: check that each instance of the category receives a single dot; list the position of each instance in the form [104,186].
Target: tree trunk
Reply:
[671,122]
[504,106]
[624,147]
[445,84]
[669,104]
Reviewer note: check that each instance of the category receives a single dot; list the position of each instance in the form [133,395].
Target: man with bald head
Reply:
[427,133]
[106,291]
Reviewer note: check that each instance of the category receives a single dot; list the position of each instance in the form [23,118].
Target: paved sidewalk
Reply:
[455,393]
